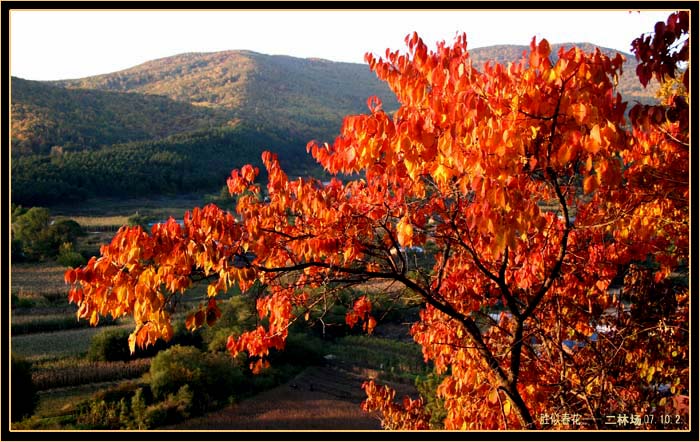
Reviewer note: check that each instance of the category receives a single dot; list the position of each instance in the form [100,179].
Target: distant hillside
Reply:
[307,98]
[181,123]
[304,96]
[44,116]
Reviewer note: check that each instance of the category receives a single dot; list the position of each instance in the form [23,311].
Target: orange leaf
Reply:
[351,318]
[404,232]
[590,183]
[543,48]
[371,323]
[493,396]
[189,322]
[593,140]
[199,318]
[132,343]
[595,134]
[69,276]
[565,154]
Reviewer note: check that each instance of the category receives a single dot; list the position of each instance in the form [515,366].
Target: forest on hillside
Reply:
[193,162]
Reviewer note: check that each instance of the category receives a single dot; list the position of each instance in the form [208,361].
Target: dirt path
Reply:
[319,398]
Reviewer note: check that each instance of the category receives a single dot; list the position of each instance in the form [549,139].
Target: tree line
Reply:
[197,161]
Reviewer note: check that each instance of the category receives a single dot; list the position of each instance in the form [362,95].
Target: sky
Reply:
[64,44]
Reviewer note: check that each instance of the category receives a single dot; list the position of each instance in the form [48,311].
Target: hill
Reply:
[178,124]
[45,115]
[181,123]
[307,97]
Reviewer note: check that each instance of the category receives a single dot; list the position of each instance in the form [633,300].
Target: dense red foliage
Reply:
[533,190]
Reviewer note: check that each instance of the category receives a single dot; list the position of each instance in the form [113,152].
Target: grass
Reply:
[99,221]
[105,208]
[53,345]
[316,399]
[395,361]
[59,402]
[40,323]
[37,278]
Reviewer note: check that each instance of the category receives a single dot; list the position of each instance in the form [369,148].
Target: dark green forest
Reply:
[194,162]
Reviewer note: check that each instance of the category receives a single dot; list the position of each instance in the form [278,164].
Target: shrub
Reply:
[118,407]
[184,337]
[99,414]
[37,237]
[212,377]
[30,230]
[163,413]
[22,303]
[68,257]
[24,398]
[427,387]
[110,345]
[16,250]
[237,314]
[113,344]
[138,411]
[123,390]
[65,230]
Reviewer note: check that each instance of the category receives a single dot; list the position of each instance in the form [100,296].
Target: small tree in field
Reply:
[526,180]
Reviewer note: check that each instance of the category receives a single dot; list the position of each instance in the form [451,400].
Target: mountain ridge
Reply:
[181,123]
[306,96]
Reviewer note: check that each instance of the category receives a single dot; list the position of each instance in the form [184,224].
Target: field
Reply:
[324,397]
[110,211]
[46,332]
[320,398]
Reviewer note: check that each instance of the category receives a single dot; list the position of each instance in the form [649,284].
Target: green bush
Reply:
[212,377]
[427,387]
[184,337]
[98,414]
[124,390]
[162,413]
[36,237]
[120,407]
[22,303]
[68,257]
[16,250]
[138,411]
[30,229]
[24,398]
[113,344]
[110,345]
[66,230]
[237,315]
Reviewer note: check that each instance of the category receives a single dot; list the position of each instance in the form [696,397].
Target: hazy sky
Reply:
[61,44]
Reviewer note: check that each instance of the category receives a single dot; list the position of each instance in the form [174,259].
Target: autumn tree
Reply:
[530,185]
